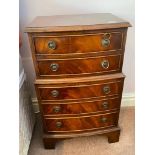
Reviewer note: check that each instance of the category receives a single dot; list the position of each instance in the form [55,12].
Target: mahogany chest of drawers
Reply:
[78,63]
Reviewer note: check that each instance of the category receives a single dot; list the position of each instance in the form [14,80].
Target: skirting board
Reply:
[128,99]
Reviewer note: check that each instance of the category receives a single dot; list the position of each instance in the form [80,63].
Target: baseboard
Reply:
[128,99]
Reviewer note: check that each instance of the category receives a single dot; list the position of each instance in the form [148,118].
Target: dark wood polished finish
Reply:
[55,82]
[79,43]
[80,91]
[82,22]
[80,108]
[93,43]
[41,45]
[80,66]
[78,62]
[83,123]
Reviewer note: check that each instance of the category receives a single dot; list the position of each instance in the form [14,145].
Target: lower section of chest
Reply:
[80,107]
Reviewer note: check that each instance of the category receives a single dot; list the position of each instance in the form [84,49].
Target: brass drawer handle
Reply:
[106,89]
[56,109]
[54,67]
[105,42]
[52,45]
[58,124]
[54,93]
[105,105]
[103,119]
[105,64]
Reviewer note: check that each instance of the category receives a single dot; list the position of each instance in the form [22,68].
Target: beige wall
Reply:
[29,9]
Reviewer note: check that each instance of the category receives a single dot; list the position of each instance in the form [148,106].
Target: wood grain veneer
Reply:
[78,63]
[80,108]
[79,91]
[78,43]
[80,22]
[83,123]
[79,66]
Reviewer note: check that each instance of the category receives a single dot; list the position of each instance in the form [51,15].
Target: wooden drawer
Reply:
[85,43]
[81,91]
[80,66]
[75,108]
[73,124]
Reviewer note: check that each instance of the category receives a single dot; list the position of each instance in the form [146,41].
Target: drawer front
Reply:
[80,91]
[71,124]
[80,66]
[103,105]
[86,43]
[51,45]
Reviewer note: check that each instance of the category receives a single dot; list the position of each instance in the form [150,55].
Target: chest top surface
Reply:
[79,22]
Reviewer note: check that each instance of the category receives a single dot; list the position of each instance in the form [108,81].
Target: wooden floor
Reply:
[94,145]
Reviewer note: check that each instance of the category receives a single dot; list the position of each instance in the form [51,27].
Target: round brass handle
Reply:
[105,42]
[106,89]
[52,45]
[54,67]
[58,124]
[105,105]
[56,109]
[105,64]
[103,119]
[54,93]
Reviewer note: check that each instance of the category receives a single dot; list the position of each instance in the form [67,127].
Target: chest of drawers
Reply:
[78,63]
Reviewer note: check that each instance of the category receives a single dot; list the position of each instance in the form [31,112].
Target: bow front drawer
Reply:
[74,124]
[47,92]
[80,66]
[86,43]
[85,107]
